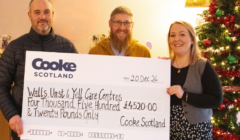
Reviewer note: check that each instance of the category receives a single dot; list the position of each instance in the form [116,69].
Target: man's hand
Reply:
[16,124]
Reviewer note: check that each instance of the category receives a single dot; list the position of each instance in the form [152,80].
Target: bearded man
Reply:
[120,40]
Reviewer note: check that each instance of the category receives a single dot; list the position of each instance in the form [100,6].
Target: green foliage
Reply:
[224,54]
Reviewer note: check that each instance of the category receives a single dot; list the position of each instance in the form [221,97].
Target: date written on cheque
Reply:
[129,105]
[141,78]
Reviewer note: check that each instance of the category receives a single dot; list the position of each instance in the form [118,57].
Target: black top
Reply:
[12,66]
[212,90]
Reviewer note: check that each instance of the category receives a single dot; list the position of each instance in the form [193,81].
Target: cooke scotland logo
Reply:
[57,68]
[45,65]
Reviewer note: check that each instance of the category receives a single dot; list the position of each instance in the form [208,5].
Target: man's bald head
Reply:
[50,3]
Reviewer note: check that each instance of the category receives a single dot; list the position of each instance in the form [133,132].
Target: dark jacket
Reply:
[12,64]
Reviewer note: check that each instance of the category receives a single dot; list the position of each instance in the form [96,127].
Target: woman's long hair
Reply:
[195,53]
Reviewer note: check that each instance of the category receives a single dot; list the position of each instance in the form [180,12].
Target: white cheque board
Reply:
[93,97]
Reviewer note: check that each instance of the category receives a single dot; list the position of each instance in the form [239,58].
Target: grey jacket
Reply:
[193,85]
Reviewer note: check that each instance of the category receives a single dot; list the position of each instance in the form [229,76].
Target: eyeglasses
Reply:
[118,23]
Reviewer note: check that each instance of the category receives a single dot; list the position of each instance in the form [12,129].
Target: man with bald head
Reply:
[41,22]
[12,63]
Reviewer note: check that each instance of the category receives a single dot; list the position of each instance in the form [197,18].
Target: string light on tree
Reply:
[234,39]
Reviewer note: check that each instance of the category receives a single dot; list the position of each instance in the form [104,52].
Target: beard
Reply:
[120,44]
[44,30]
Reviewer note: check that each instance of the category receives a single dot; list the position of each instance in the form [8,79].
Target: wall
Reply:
[5,133]
[79,19]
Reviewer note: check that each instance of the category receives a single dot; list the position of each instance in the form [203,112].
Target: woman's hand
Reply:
[177,90]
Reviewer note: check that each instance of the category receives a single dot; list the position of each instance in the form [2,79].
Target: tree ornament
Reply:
[219,13]
[234,39]
[237,32]
[232,19]
[236,4]
[226,21]
[211,19]
[220,21]
[231,59]
[200,37]
[225,117]
[212,8]
[231,124]
[227,38]
[222,107]
[203,54]
[207,43]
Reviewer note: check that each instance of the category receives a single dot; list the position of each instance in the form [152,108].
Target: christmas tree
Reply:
[219,41]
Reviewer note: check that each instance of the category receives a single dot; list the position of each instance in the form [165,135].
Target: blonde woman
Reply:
[195,86]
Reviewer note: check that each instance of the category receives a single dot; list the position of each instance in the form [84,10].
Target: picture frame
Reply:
[197,3]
